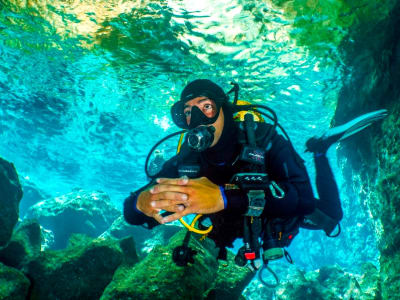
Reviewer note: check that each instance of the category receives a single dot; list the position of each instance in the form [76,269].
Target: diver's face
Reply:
[206,106]
[209,109]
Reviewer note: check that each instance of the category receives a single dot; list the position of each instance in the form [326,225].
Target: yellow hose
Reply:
[192,228]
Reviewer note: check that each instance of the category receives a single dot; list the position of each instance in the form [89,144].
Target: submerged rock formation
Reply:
[145,240]
[330,283]
[81,271]
[10,196]
[158,277]
[87,212]
[371,159]
[24,245]
[230,280]
[13,284]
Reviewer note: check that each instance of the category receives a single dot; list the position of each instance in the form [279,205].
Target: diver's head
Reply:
[201,104]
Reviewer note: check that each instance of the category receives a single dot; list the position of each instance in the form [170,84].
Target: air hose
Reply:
[193,223]
[260,277]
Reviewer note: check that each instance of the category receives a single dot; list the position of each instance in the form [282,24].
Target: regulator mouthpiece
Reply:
[200,138]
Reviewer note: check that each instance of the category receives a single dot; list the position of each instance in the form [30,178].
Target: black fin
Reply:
[335,134]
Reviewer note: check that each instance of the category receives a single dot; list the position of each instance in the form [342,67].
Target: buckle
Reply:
[250,255]
[256,203]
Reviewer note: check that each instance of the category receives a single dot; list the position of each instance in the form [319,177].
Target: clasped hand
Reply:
[181,196]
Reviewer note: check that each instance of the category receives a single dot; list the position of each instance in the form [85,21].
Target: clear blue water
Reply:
[85,91]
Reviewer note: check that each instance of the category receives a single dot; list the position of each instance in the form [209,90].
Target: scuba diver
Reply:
[242,176]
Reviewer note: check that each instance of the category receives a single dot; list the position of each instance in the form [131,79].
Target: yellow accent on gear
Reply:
[180,143]
[239,116]
[192,228]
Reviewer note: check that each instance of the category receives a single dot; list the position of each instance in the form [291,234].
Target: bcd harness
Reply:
[276,233]
[254,181]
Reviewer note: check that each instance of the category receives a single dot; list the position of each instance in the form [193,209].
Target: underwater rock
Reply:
[158,277]
[10,196]
[257,290]
[145,239]
[230,280]
[13,284]
[81,271]
[25,244]
[331,283]
[87,212]
[371,159]
[370,282]
[32,195]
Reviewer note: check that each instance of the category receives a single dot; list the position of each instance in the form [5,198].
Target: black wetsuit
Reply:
[219,164]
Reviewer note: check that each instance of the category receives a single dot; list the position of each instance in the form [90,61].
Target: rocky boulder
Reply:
[330,283]
[13,284]
[81,271]
[25,244]
[230,280]
[145,240]
[87,212]
[370,160]
[10,196]
[158,277]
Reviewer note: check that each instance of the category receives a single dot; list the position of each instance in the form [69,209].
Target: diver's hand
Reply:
[146,199]
[203,196]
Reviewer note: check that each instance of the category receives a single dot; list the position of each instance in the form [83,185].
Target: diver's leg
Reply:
[329,200]
[328,210]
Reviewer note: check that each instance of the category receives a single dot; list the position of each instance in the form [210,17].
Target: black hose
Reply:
[154,147]
[260,277]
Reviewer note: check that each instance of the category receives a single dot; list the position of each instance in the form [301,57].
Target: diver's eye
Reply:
[207,106]
[187,113]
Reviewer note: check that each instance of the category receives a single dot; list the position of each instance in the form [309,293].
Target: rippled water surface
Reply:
[86,86]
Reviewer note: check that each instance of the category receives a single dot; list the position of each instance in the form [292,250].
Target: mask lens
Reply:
[178,115]
[203,106]
[201,112]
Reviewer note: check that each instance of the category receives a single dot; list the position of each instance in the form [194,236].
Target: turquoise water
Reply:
[86,90]
[86,116]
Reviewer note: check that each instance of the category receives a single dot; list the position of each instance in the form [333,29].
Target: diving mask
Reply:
[203,111]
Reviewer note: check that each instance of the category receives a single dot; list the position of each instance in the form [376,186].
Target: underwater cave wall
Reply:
[371,159]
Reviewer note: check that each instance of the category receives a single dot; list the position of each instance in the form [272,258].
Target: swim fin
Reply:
[335,134]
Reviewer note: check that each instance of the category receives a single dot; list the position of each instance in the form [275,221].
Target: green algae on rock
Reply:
[10,196]
[25,244]
[145,239]
[13,284]
[230,280]
[81,271]
[330,283]
[158,277]
[371,160]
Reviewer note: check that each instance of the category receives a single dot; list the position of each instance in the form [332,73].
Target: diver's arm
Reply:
[134,216]
[292,177]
